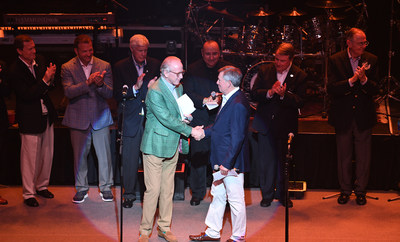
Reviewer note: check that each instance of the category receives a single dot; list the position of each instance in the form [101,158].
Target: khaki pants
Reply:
[159,174]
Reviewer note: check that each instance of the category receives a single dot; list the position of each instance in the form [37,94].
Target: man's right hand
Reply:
[139,82]
[198,133]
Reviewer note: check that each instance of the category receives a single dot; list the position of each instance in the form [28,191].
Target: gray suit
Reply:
[88,116]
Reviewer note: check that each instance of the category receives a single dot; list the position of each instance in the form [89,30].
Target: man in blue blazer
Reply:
[229,155]
[87,83]
[135,73]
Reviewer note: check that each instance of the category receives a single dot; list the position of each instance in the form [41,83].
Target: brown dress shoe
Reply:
[3,201]
[143,238]
[168,236]
[202,237]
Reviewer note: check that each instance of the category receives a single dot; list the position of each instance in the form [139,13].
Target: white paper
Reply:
[212,105]
[185,104]
[218,176]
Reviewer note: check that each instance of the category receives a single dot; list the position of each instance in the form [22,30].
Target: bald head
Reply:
[210,53]
[172,70]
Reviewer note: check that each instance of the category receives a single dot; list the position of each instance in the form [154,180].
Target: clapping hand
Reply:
[278,89]
[198,133]
[49,75]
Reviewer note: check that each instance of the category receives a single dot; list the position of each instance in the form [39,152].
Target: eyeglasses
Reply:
[178,73]
[366,43]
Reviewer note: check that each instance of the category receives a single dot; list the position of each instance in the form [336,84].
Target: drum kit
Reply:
[254,38]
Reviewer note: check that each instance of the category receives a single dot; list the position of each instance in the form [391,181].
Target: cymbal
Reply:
[293,13]
[231,16]
[326,4]
[223,13]
[260,13]
[212,9]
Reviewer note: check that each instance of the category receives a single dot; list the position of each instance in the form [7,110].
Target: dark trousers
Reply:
[271,153]
[361,139]
[199,167]
[130,163]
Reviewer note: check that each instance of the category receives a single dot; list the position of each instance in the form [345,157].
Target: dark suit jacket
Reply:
[29,90]
[125,73]
[229,141]
[348,102]
[275,114]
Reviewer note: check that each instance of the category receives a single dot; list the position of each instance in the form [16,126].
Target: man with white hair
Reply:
[165,136]
[135,72]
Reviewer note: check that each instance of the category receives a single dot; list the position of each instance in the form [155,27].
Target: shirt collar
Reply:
[286,70]
[169,85]
[29,66]
[89,64]
[350,57]
[229,95]
[137,64]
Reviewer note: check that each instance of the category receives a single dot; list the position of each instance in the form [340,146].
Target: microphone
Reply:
[124,90]
[291,135]
[215,94]
[216,167]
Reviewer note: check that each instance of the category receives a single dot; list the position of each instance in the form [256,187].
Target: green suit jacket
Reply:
[164,126]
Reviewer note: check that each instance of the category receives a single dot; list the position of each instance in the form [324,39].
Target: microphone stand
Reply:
[120,136]
[289,158]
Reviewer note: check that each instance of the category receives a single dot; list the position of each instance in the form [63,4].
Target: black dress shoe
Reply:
[265,203]
[195,201]
[128,202]
[202,237]
[45,193]
[290,203]
[361,200]
[31,202]
[343,198]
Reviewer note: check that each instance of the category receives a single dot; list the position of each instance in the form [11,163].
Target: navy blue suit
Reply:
[275,118]
[229,141]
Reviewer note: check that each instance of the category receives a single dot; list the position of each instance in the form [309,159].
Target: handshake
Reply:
[198,133]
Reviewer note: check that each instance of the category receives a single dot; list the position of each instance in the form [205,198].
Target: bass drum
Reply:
[249,79]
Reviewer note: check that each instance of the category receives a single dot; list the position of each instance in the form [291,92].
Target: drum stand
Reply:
[389,78]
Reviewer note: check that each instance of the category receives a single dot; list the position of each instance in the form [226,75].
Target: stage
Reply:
[310,220]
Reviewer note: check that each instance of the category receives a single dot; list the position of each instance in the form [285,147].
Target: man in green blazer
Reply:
[165,136]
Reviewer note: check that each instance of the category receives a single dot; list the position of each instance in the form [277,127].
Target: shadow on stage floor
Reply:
[310,220]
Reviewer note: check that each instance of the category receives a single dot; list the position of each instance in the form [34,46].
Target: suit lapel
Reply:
[347,64]
[133,70]
[227,104]
[80,71]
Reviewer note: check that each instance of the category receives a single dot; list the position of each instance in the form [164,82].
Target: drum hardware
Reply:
[260,13]
[327,43]
[390,85]
[327,4]
[293,13]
